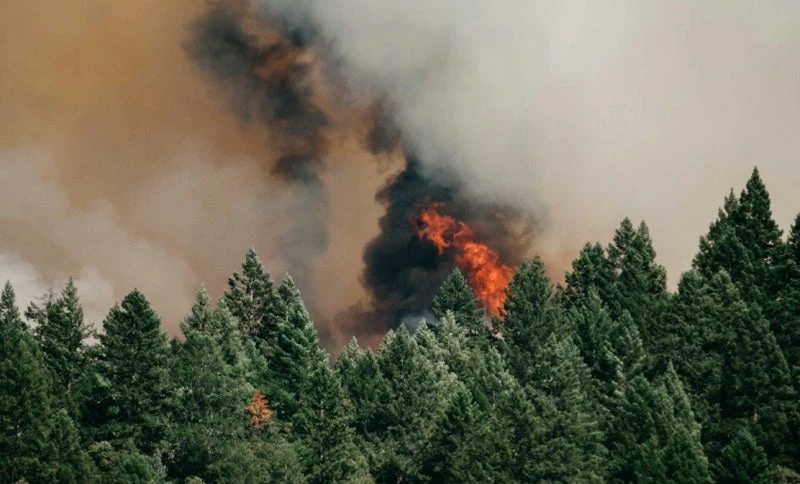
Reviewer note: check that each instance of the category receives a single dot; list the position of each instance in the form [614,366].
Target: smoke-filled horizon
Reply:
[136,152]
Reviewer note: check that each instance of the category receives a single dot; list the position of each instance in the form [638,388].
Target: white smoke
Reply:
[585,112]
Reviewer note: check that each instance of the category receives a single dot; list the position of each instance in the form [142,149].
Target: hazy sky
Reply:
[120,166]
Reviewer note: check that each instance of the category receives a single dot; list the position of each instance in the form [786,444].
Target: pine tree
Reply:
[592,273]
[744,461]
[456,295]
[38,442]
[326,441]
[613,350]
[652,440]
[61,332]
[641,282]
[134,355]
[252,299]
[407,404]
[734,367]
[476,435]
[529,318]
[783,314]
[208,411]
[308,395]
[745,242]
[572,445]
[296,353]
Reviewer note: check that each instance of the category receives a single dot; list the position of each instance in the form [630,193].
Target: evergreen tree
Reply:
[296,353]
[61,332]
[38,443]
[651,440]
[123,465]
[476,434]
[746,243]
[783,313]
[326,441]
[308,395]
[734,367]
[456,295]
[641,282]
[208,411]
[743,461]
[133,376]
[572,445]
[613,350]
[408,406]
[529,317]
[252,299]
[592,275]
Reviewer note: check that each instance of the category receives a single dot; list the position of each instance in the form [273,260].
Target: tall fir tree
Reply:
[592,273]
[308,395]
[251,297]
[296,354]
[208,406]
[572,445]
[783,313]
[745,242]
[456,295]
[61,333]
[734,367]
[476,434]
[651,439]
[408,407]
[133,371]
[641,282]
[38,442]
[743,461]
[529,317]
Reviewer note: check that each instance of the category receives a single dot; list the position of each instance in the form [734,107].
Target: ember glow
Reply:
[486,273]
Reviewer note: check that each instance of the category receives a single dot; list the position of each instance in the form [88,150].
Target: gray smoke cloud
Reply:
[122,166]
[584,112]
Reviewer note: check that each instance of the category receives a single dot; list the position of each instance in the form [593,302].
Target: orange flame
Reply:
[487,275]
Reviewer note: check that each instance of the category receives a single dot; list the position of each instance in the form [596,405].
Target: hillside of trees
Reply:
[607,378]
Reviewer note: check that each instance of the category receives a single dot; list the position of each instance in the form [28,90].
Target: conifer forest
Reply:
[606,377]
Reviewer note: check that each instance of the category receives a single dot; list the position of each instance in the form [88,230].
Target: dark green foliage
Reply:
[641,287]
[529,317]
[295,355]
[607,379]
[571,446]
[456,295]
[61,331]
[122,465]
[653,436]
[733,366]
[208,410]
[746,243]
[783,313]
[38,442]
[132,376]
[743,461]
[326,441]
[308,395]
[592,272]
[252,299]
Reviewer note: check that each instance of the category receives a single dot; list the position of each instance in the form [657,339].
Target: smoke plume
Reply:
[149,144]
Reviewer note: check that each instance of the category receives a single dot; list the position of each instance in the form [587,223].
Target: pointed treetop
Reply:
[8,304]
[457,296]
[200,316]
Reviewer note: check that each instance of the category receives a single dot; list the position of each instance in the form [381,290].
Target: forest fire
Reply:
[486,273]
